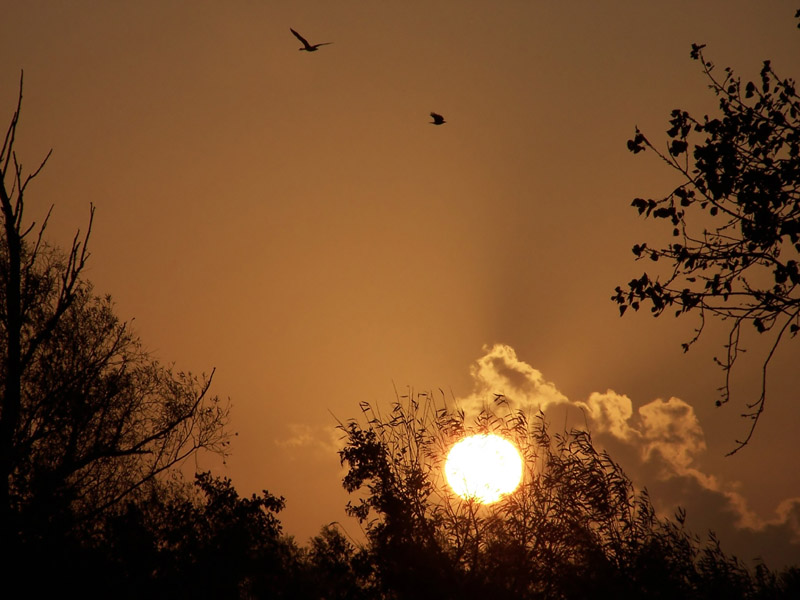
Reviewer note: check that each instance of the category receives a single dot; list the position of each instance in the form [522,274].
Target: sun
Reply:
[483,467]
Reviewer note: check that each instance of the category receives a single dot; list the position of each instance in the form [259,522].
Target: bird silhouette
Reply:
[437,119]
[306,46]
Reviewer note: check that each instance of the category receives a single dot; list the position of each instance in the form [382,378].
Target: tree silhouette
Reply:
[334,569]
[575,528]
[223,545]
[735,219]
[181,541]
[87,417]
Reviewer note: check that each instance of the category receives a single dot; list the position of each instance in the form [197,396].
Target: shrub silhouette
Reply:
[575,528]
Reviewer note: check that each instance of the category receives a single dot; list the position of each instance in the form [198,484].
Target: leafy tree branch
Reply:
[735,219]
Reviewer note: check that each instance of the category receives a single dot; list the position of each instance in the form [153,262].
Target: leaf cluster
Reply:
[734,218]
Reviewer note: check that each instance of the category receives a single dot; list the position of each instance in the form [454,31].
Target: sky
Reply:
[293,221]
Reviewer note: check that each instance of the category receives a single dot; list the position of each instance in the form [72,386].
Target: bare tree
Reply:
[87,416]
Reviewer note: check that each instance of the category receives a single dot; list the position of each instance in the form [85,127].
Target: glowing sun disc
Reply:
[483,467]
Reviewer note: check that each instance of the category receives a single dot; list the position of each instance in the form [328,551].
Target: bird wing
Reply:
[437,118]
[300,37]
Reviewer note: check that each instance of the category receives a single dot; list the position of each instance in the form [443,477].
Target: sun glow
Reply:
[483,467]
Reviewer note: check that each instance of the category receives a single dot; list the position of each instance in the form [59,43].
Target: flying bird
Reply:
[437,119]
[306,46]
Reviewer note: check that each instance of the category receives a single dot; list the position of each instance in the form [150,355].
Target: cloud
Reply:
[499,371]
[610,412]
[323,440]
[659,445]
[672,429]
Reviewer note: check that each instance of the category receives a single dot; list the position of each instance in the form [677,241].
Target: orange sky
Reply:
[293,219]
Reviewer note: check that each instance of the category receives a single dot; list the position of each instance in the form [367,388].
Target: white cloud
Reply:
[499,371]
[610,412]
[323,439]
[672,429]
[658,445]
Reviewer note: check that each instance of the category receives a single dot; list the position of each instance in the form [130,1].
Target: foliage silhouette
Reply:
[87,417]
[222,546]
[735,219]
[91,432]
[91,504]
[575,528]
[209,542]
